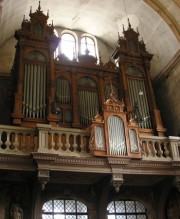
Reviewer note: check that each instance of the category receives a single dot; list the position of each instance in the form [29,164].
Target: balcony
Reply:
[75,143]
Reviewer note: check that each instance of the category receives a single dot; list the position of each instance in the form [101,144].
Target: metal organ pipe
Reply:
[117,142]
[34,92]
[136,85]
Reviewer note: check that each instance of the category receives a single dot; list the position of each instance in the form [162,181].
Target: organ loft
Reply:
[86,132]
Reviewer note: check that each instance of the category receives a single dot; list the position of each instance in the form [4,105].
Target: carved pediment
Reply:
[113,105]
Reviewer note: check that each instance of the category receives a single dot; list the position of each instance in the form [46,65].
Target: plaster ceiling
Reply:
[157,21]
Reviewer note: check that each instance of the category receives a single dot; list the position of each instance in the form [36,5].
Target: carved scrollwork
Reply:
[117,181]
[43,176]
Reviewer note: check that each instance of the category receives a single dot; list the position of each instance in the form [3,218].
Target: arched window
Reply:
[68,45]
[126,210]
[88,43]
[64,209]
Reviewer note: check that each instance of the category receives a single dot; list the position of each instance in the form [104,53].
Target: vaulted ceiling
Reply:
[156,20]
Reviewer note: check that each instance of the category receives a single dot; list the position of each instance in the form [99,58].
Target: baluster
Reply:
[148,152]
[166,152]
[31,142]
[16,143]
[0,141]
[59,143]
[75,146]
[8,142]
[67,145]
[23,142]
[160,152]
[52,140]
[82,146]
[154,149]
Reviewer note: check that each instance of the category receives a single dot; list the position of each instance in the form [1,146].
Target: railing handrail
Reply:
[75,142]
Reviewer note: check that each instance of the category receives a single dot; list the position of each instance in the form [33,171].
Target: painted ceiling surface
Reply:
[156,20]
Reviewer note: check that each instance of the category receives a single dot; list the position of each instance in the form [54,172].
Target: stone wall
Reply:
[168,99]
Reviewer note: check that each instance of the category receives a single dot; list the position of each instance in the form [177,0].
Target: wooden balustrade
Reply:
[160,148]
[75,142]
[17,140]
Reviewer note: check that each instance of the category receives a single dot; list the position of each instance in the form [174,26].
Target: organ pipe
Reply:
[34,92]
[117,142]
[135,86]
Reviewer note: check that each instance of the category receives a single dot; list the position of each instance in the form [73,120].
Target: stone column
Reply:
[2,204]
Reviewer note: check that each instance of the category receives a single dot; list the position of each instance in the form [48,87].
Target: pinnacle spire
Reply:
[39,7]
[129,24]
[30,12]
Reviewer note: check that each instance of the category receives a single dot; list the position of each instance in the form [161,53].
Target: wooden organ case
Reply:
[72,93]
[34,69]
[134,68]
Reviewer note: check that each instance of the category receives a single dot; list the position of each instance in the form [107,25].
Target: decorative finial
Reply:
[52,23]
[24,18]
[100,60]
[112,91]
[48,13]
[74,54]
[137,30]
[123,28]
[86,50]
[129,24]
[30,10]
[39,7]
[118,35]
[142,40]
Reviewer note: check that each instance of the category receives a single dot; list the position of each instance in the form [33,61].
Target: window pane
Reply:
[88,43]
[139,207]
[47,207]
[131,216]
[58,206]
[81,207]
[82,217]
[141,216]
[44,216]
[70,216]
[111,217]
[64,209]
[110,207]
[70,206]
[59,216]
[68,45]
[120,217]
[130,207]
[120,207]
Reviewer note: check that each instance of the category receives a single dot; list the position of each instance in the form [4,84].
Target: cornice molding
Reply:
[54,162]
[16,162]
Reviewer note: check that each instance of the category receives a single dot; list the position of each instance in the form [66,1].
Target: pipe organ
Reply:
[116,103]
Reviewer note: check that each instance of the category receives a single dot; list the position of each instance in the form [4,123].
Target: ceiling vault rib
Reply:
[156,6]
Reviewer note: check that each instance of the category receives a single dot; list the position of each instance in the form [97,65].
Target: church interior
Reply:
[89,109]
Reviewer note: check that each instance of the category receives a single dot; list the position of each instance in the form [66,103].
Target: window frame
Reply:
[95,44]
[76,213]
[125,213]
